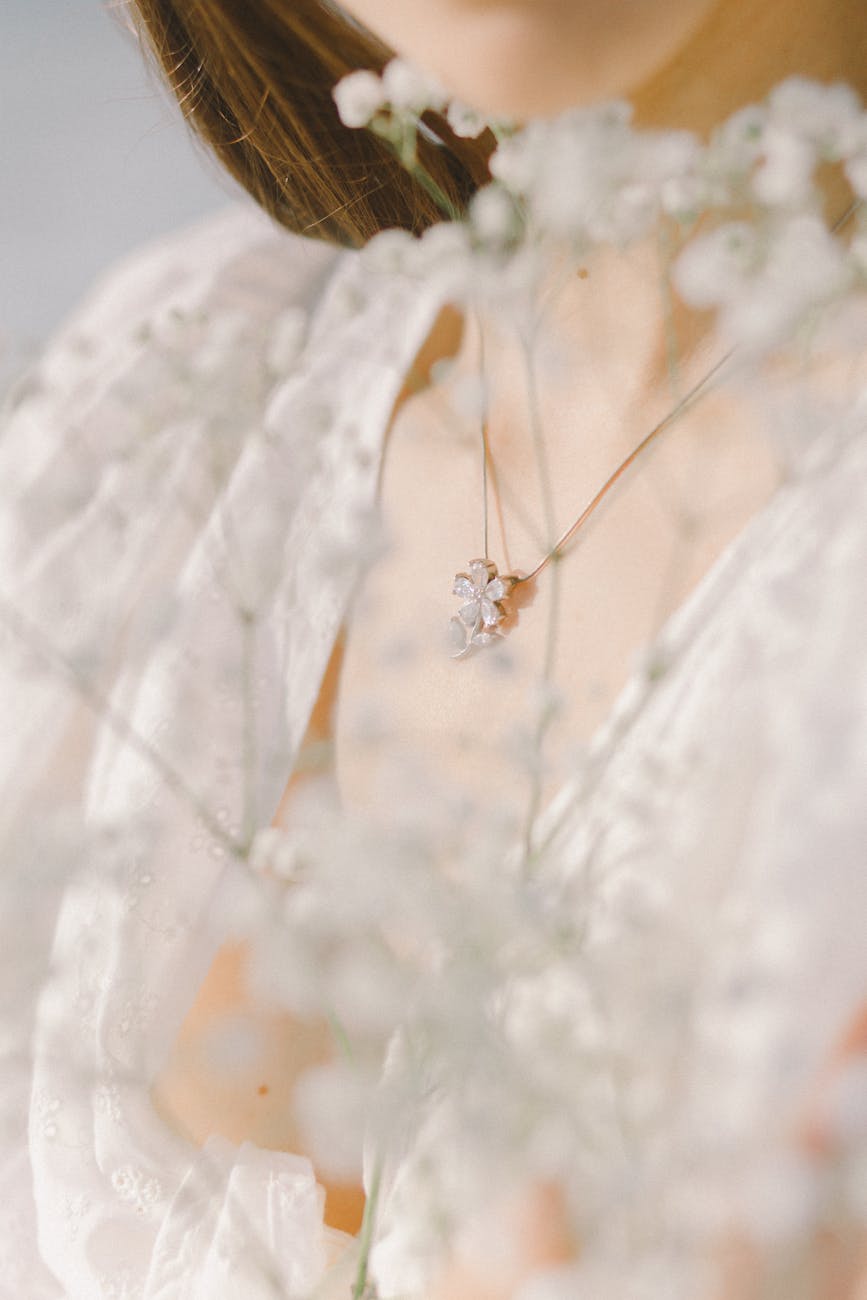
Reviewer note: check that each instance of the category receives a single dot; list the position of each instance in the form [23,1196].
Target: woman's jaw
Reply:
[682,62]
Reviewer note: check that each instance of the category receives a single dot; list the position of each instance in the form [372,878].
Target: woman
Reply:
[637,1013]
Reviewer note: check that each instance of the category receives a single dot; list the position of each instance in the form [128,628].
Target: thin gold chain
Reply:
[685,402]
[676,411]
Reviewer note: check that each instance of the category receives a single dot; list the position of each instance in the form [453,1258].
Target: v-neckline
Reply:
[677,628]
[376,437]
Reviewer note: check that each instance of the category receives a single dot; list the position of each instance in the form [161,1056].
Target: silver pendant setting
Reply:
[477,622]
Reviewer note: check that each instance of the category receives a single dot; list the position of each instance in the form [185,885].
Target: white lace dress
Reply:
[131,469]
[163,646]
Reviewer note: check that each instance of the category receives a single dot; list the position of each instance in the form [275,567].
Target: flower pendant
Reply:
[478,620]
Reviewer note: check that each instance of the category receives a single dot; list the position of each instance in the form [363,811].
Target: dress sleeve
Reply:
[143,740]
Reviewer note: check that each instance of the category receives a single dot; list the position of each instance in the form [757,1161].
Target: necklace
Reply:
[486,592]
[589,176]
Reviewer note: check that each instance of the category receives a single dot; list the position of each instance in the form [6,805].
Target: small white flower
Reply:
[708,270]
[735,146]
[389,250]
[763,287]
[464,120]
[409,89]
[331,1106]
[588,173]
[493,215]
[443,256]
[784,176]
[683,197]
[134,1188]
[819,113]
[513,162]
[805,268]
[359,96]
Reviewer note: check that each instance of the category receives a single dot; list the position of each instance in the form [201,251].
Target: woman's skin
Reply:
[670,517]
[682,63]
[520,58]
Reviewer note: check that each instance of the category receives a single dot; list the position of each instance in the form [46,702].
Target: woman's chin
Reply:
[523,59]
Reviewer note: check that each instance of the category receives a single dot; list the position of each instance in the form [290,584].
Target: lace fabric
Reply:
[146,435]
[153,709]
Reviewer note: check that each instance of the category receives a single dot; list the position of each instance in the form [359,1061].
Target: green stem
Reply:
[250,815]
[439,197]
[341,1037]
[401,137]
[547,676]
[365,1238]
[672,349]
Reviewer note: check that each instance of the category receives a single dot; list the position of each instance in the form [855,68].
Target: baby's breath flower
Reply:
[762,288]
[821,114]
[734,148]
[784,176]
[407,88]
[359,96]
[493,215]
[389,251]
[512,162]
[588,174]
[464,120]
[708,269]
[331,1105]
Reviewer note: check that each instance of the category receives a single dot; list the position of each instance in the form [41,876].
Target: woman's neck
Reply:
[740,51]
[737,54]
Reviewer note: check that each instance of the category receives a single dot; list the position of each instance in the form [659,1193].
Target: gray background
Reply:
[93,160]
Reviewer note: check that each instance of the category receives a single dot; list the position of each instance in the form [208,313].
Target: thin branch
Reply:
[30,635]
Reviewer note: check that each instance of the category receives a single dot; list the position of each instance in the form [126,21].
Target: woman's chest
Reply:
[504,723]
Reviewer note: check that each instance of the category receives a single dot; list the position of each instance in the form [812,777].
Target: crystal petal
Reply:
[496,589]
[463,587]
[479,574]
[469,614]
[490,614]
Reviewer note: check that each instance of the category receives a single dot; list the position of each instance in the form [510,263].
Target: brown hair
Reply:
[254,78]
